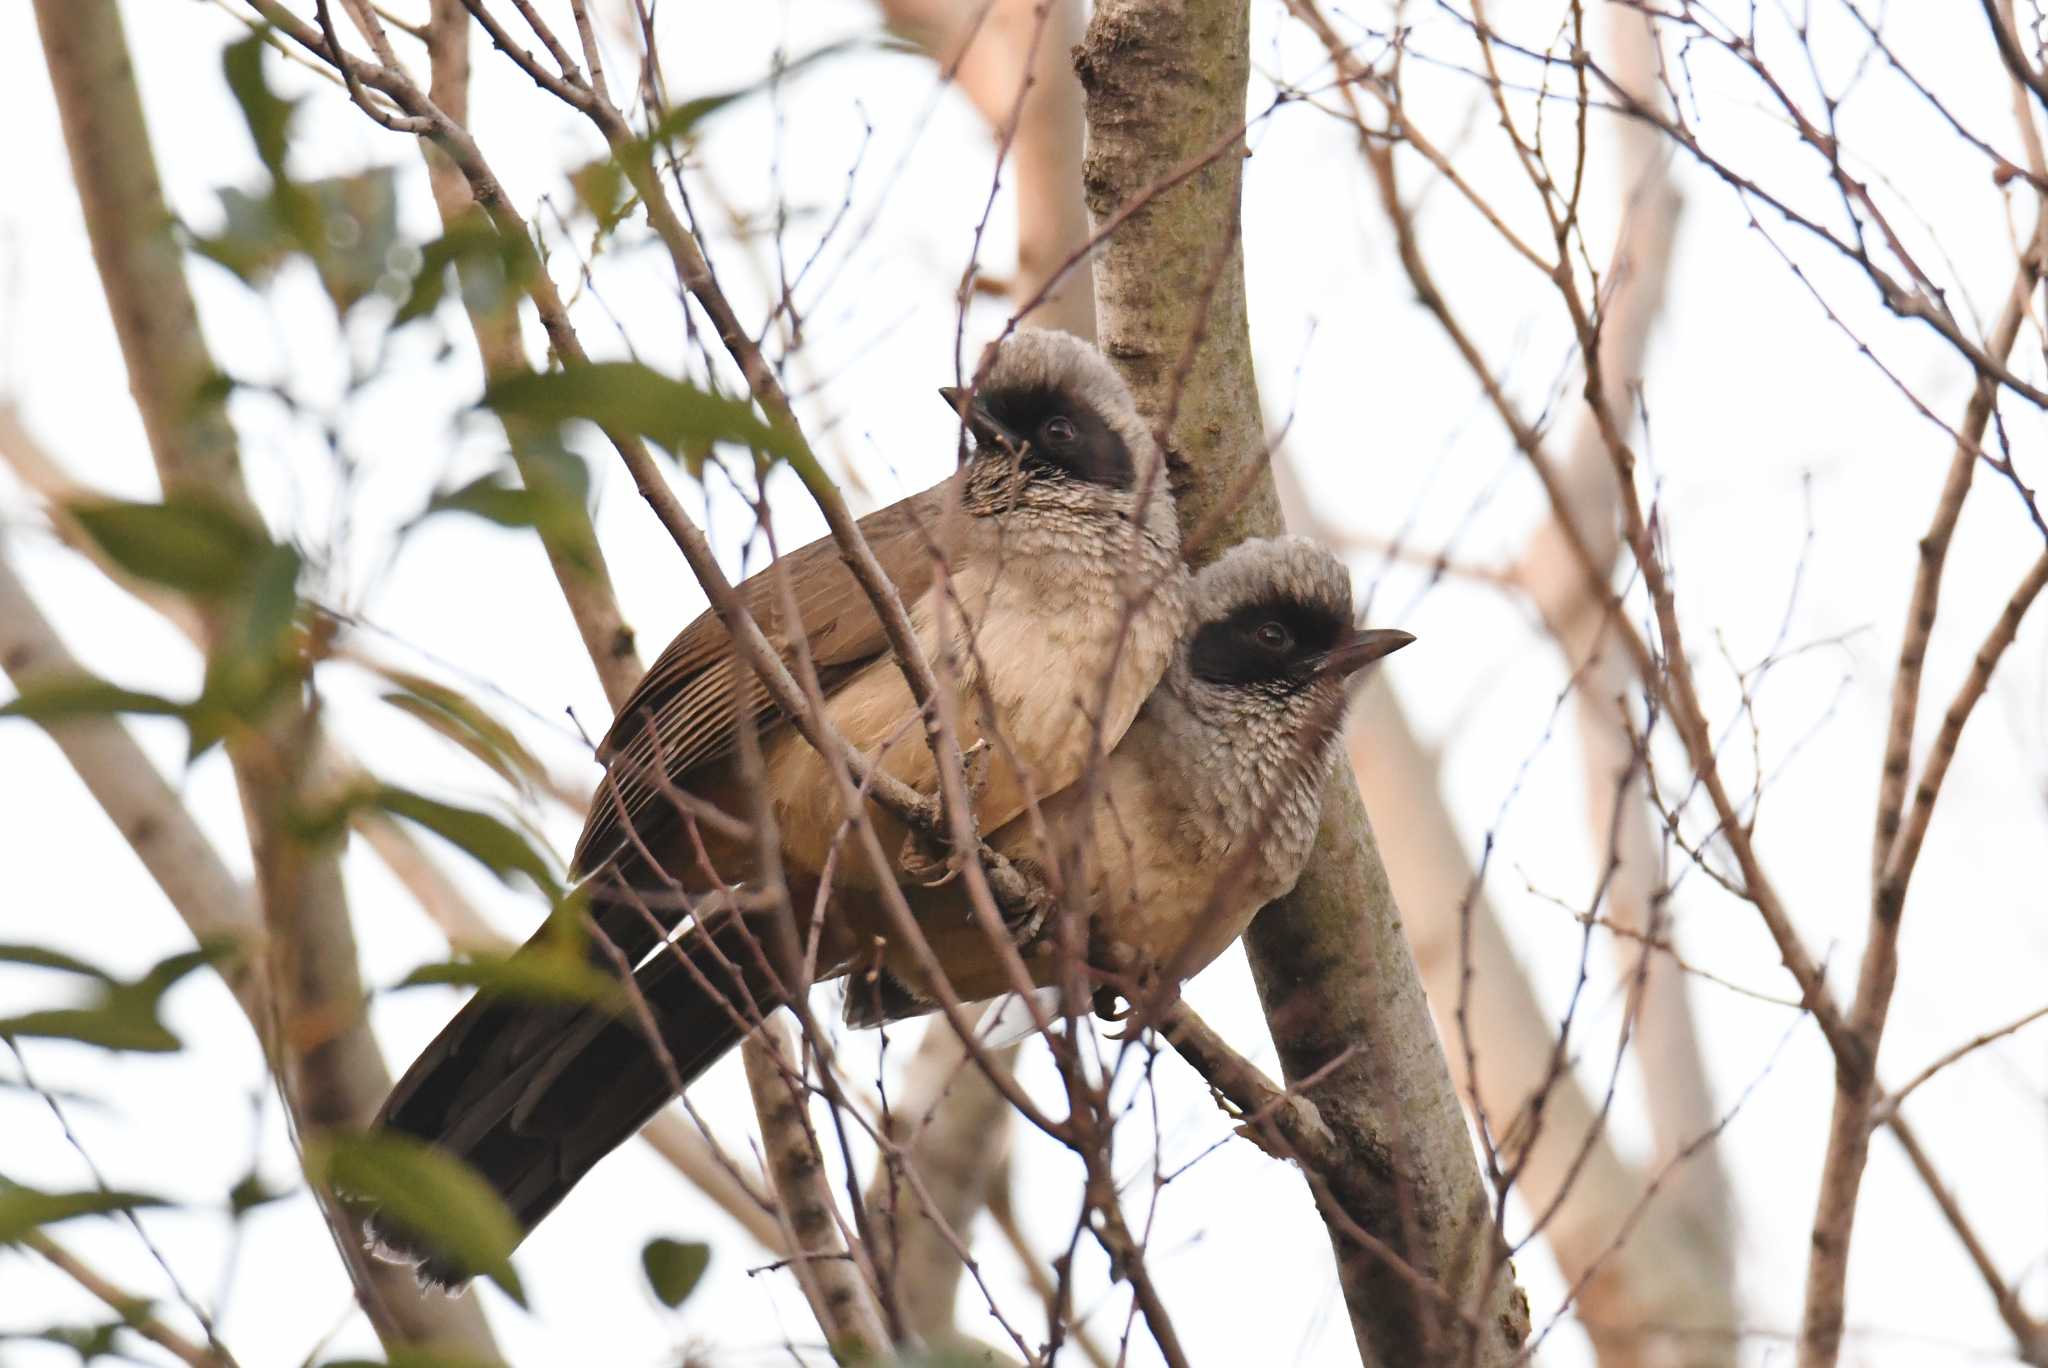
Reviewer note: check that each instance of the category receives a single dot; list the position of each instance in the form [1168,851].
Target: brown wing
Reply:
[686,708]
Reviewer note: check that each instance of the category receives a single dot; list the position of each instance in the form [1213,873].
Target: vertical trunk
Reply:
[1166,92]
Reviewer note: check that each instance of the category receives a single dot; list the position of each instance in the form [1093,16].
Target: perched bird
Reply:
[1018,596]
[1044,583]
[1204,812]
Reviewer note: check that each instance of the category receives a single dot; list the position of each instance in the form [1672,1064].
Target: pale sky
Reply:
[1793,481]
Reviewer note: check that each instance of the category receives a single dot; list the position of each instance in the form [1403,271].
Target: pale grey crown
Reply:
[1268,568]
[1041,358]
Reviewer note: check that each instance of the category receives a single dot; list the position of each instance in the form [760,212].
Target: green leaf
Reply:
[347,225]
[187,542]
[257,658]
[435,1198]
[268,115]
[89,1342]
[604,192]
[358,223]
[492,843]
[272,606]
[62,700]
[119,1024]
[252,1192]
[628,395]
[493,269]
[122,1016]
[603,186]
[491,499]
[43,958]
[674,1268]
[251,243]
[23,1209]
[465,723]
[535,975]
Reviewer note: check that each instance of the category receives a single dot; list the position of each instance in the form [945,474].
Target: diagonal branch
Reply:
[571,544]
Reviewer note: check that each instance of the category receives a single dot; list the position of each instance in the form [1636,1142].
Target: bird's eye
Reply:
[1273,636]
[1058,431]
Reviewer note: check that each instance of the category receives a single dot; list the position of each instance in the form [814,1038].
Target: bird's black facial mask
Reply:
[1062,435]
[1277,643]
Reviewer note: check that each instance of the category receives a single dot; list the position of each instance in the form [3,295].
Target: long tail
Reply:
[533,1095]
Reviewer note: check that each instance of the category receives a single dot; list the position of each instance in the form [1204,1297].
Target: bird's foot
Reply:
[927,859]
[929,856]
[1026,901]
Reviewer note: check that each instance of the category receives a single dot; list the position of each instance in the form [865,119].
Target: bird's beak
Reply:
[1358,648]
[988,429]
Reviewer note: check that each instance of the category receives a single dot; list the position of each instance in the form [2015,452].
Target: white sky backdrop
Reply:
[1765,424]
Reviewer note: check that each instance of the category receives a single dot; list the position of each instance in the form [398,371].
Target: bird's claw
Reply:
[928,860]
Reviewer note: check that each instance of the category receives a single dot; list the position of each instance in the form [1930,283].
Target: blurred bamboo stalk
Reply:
[325,1057]
[1010,59]
[700,1161]
[955,1128]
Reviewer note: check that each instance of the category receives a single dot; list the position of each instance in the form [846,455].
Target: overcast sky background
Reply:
[1792,476]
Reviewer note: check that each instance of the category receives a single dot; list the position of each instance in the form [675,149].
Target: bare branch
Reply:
[803,1197]
[147,1326]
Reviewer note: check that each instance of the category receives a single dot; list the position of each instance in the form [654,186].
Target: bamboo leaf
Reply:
[186,542]
[627,395]
[23,1209]
[121,1016]
[494,844]
[267,114]
[674,1268]
[466,723]
[490,269]
[42,958]
[435,1198]
[547,975]
[62,700]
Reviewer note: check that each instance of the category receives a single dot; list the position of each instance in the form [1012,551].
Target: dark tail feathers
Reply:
[533,1095]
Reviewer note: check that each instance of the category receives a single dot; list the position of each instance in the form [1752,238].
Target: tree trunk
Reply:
[1166,93]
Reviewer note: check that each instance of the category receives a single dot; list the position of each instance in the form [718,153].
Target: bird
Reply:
[1043,581]
[1207,809]
[1204,811]
[1063,519]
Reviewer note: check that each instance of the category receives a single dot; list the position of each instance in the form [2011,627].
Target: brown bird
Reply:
[1045,585]
[1204,812]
